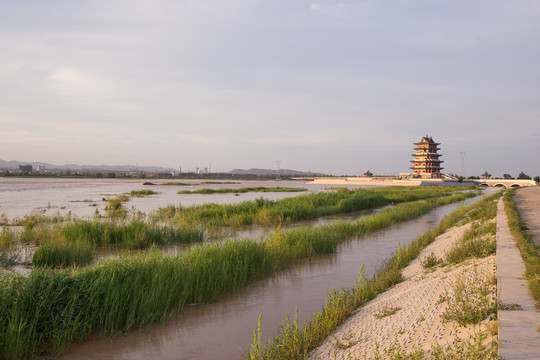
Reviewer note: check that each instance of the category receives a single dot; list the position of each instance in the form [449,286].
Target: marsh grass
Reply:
[241,190]
[306,206]
[530,252]
[219,182]
[57,307]
[134,234]
[61,255]
[143,192]
[115,206]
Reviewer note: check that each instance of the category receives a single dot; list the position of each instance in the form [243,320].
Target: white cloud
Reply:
[335,10]
[81,86]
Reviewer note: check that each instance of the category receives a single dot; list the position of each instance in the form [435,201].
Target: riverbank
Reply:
[408,318]
[411,319]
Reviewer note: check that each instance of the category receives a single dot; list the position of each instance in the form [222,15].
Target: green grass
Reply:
[134,234]
[8,238]
[302,207]
[58,307]
[241,190]
[430,261]
[219,182]
[115,206]
[479,241]
[473,301]
[530,252]
[61,255]
[143,192]
[295,342]
[7,259]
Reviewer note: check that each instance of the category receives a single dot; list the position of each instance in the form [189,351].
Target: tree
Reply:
[537,179]
[523,176]
[507,176]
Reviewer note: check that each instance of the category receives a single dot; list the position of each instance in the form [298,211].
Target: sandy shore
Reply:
[418,303]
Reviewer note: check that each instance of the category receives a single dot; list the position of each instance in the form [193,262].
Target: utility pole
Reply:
[462,154]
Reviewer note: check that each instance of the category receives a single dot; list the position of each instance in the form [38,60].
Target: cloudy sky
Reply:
[333,86]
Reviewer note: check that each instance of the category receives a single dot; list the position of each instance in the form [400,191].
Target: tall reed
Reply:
[58,307]
[61,254]
[296,208]
[131,234]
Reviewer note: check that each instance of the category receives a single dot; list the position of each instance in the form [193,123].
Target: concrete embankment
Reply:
[408,316]
[414,308]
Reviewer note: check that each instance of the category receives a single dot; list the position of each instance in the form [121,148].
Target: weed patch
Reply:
[472,301]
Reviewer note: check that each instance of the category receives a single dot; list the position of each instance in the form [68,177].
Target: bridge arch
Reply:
[515,185]
[500,185]
[483,184]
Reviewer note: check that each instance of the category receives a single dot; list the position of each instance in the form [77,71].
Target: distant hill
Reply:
[14,164]
[282,172]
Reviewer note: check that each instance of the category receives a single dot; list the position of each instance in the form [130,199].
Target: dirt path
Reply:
[528,204]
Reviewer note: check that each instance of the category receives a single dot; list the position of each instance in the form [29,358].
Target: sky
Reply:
[338,87]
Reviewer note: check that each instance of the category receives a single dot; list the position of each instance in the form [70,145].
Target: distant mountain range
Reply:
[283,172]
[14,165]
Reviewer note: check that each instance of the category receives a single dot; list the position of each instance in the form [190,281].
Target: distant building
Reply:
[25,169]
[486,176]
[41,169]
[368,174]
[426,163]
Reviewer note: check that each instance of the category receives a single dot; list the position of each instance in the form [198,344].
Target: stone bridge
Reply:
[507,183]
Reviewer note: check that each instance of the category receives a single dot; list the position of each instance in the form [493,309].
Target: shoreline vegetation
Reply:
[241,190]
[53,308]
[530,252]
[295,342]
[176,183]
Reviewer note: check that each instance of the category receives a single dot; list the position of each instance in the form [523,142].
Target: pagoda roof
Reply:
[427,140]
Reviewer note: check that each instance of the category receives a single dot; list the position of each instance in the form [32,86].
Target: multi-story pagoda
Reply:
[426,163]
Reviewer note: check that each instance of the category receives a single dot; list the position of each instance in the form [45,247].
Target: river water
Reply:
[81,197]
[224,329]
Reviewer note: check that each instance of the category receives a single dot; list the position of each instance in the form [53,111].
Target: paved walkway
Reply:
[519,334]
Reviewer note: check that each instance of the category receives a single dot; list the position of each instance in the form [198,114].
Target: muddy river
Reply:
[224,329]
